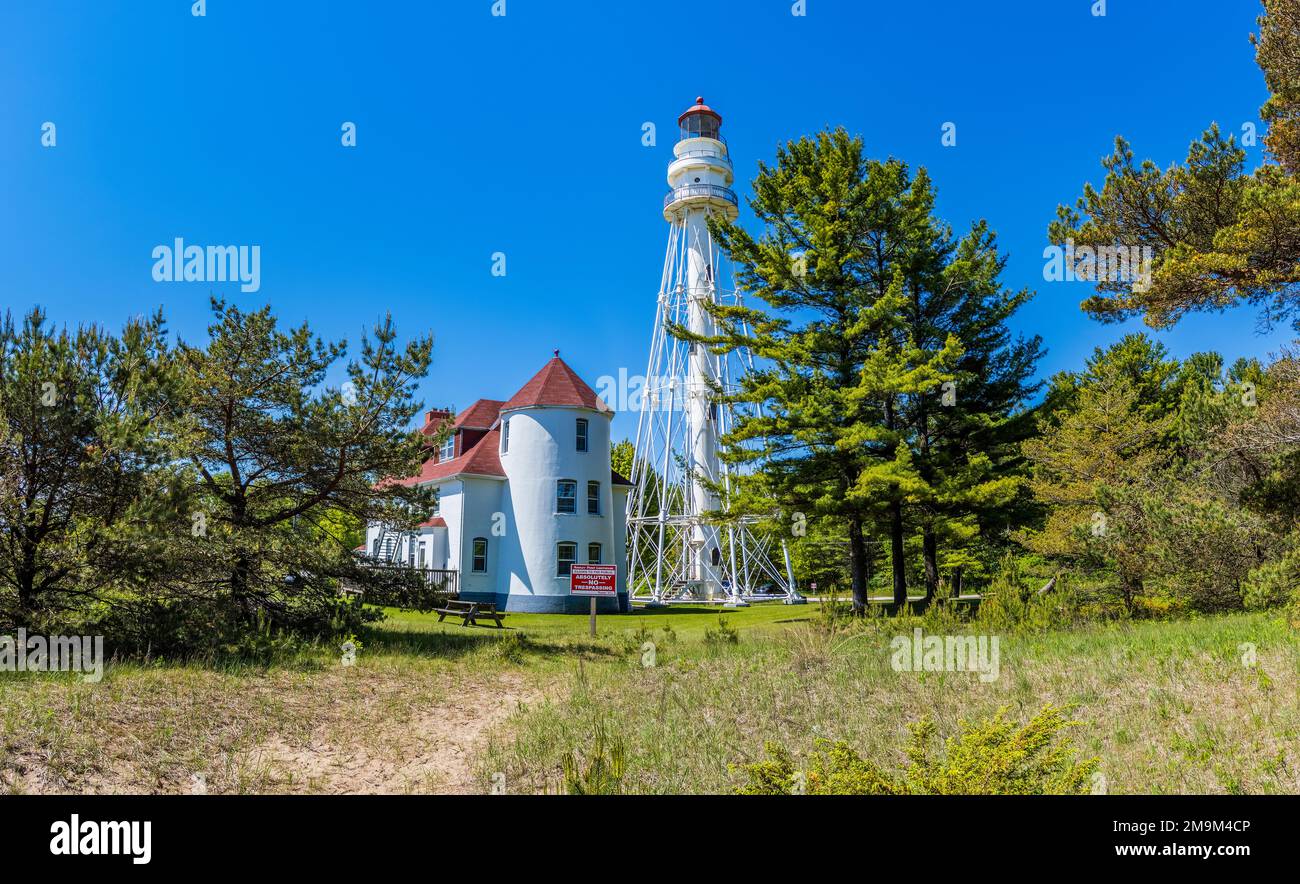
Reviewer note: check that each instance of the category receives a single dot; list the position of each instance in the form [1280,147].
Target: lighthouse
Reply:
[680,547]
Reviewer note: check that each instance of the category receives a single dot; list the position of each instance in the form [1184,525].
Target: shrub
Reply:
[204,627]
[1015,600]
[1274,584]
[725,634]
[993,757]
[603,772]
[511,647]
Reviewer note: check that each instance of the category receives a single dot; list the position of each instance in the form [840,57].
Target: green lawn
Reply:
[688,621]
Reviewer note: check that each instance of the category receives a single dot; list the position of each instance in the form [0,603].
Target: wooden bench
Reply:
[470,612]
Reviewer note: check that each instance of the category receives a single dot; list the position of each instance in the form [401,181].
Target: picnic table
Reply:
[470,612]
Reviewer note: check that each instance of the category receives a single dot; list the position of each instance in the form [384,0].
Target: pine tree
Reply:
[81,478]
[1218,236]
[1104,451]
[276,454]
[836,361]
[966,434]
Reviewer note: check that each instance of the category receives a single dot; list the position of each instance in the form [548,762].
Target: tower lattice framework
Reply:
[679,549]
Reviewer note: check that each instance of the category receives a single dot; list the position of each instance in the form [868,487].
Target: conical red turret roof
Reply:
[556,385]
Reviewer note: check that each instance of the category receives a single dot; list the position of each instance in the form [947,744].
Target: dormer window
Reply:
[582,434]
[448,449]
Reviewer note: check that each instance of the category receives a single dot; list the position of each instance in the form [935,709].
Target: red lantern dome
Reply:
[700,121]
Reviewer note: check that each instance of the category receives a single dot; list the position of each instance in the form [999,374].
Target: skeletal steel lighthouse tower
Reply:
[679,549]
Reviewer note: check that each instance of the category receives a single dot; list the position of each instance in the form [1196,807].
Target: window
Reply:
[422,555]
[565,555]
[593,554]
[437,501]
[716,557]
[478,561]
[448,450]
[582,434]
[374,548]
[566,496]
[593,498]
[505,436]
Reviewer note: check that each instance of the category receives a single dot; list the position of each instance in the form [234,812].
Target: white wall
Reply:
[542,451]
[620,534]
[479,502]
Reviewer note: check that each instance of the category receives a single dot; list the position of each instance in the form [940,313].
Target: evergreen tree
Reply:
[278,458]
[967,434]
[81,485]
[1277,51]
[1102,455]
[871,307]
[1218,236]
[621,456]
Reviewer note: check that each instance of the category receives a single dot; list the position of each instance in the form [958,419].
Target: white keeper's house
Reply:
[525,490]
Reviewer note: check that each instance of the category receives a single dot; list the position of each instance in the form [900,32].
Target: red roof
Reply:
[479,416]
[435,522]
[699,108]
[556,384]
[483,459]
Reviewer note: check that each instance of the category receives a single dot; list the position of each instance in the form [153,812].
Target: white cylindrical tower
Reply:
[554,448]
[679,548]
[700,176]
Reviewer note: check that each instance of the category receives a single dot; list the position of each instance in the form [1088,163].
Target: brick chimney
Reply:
[433,418]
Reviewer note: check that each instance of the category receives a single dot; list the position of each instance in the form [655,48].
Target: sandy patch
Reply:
[434,750]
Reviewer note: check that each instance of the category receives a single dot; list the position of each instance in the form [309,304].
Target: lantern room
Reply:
[700,121]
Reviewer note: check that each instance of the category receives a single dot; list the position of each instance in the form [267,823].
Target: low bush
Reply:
[993,757]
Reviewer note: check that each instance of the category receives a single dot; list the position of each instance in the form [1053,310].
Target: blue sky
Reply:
[479,134]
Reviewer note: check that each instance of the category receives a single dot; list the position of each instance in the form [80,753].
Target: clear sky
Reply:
[523,134]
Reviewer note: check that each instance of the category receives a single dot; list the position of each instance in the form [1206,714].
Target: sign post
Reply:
[594,581]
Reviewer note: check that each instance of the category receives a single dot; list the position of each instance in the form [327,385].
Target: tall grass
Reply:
[1169,707]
